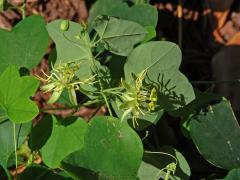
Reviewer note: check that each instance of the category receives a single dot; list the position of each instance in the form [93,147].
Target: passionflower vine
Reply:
[63,76]
[137,99]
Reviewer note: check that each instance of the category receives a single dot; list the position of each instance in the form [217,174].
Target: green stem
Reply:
[102,89]
[23,9]
[93,42]
[99,53]
[31,155]
[15,145]
[96,101]
[108,106]
[97,109]
[112,89]
[159,174]
[163,153]
[167,175]
[146,135]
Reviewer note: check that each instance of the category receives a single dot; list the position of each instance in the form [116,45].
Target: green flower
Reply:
[137,99]
[63,76]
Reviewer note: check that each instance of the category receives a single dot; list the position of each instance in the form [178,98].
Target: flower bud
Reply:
[64,26]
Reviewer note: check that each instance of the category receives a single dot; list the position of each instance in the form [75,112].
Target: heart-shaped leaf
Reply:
[63,141]
[162,61]
[113,149]
[15,93]
[25,45]
[119,36]
[216,134]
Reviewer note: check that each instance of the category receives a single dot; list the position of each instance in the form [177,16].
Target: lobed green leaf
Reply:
[162,61]
[25,45]
[15,93]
